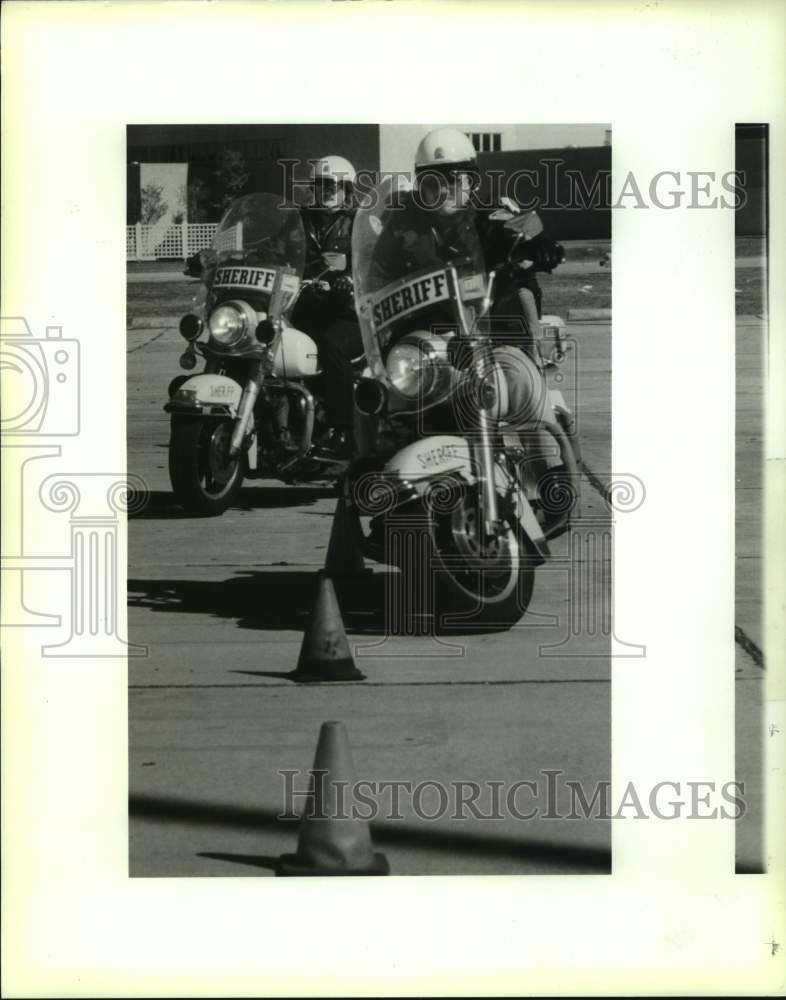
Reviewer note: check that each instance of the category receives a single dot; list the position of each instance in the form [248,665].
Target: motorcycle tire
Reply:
[559,488]
[450,582]
[204,480]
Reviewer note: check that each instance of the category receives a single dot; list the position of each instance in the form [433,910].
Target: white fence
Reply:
[178,240]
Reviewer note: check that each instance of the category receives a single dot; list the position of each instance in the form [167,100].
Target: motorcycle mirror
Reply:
[335,261]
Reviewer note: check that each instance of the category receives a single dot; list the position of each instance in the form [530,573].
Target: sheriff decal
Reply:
[441,455]
[259,278]
[407,298]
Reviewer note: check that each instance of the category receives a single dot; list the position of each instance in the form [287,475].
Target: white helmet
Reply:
[334,168]
[445,147]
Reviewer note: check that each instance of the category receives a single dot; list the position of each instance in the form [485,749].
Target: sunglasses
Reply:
[457,178]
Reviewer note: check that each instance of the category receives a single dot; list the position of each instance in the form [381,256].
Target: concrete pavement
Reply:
[222,603]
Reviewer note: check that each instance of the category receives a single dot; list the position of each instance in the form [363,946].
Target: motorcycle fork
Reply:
[245,410]
[482,445]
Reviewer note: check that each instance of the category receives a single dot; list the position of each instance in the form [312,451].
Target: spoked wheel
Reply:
[466,579]
[205,480]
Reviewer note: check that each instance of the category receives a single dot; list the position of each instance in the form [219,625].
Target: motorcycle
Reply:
[437,457]
[255,408]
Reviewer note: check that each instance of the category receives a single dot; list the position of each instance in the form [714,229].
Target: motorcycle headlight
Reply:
[227,325]
[410,370]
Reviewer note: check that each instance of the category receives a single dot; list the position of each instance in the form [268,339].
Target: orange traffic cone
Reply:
[325,653]
[331,841]
[344,556]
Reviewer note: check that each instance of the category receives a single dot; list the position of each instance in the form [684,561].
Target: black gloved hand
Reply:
[343,285]
[343,291]
[545,254]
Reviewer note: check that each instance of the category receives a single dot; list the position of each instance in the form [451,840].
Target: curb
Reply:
[589,314]
[154,322]
[159,277]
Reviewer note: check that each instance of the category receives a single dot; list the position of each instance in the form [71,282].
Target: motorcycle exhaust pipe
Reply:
[308,405]
[307,402]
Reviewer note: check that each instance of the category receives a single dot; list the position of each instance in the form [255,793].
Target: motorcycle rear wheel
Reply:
[204,479]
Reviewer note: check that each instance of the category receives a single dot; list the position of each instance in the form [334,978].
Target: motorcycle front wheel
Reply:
[454,578]
[205,480]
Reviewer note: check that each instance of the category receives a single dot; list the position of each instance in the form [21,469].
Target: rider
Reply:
[438,221]
[326,308]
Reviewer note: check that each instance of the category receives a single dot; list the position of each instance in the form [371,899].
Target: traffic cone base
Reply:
[290,865]
[327,670]
[325,653]
[330,841]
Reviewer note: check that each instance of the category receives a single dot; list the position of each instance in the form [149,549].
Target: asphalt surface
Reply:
[221,605]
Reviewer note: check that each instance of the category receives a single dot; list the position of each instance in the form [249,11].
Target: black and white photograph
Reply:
[369,389]
[391,425]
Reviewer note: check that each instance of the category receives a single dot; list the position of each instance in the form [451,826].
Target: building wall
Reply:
[550,185]
[264,147]
[752,160]
[368,147]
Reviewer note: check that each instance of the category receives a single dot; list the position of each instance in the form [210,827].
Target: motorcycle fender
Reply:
[430,458]
[443,455]
[207,393]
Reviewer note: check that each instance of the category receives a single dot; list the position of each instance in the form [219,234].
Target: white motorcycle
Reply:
[256,406]
[439,462]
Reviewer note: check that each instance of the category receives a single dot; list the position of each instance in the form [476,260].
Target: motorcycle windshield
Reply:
[259,236]
[265,228]
[403,258]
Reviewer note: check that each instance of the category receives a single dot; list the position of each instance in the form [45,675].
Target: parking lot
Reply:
[221,605]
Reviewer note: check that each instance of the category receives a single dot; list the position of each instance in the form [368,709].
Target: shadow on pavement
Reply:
[281,600]
[276,600]
[161,504]
[573,857]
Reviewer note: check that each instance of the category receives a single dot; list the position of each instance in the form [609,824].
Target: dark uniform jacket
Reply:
[413,239]
[318,308]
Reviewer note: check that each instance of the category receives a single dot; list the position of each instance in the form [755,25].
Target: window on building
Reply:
[486,142]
